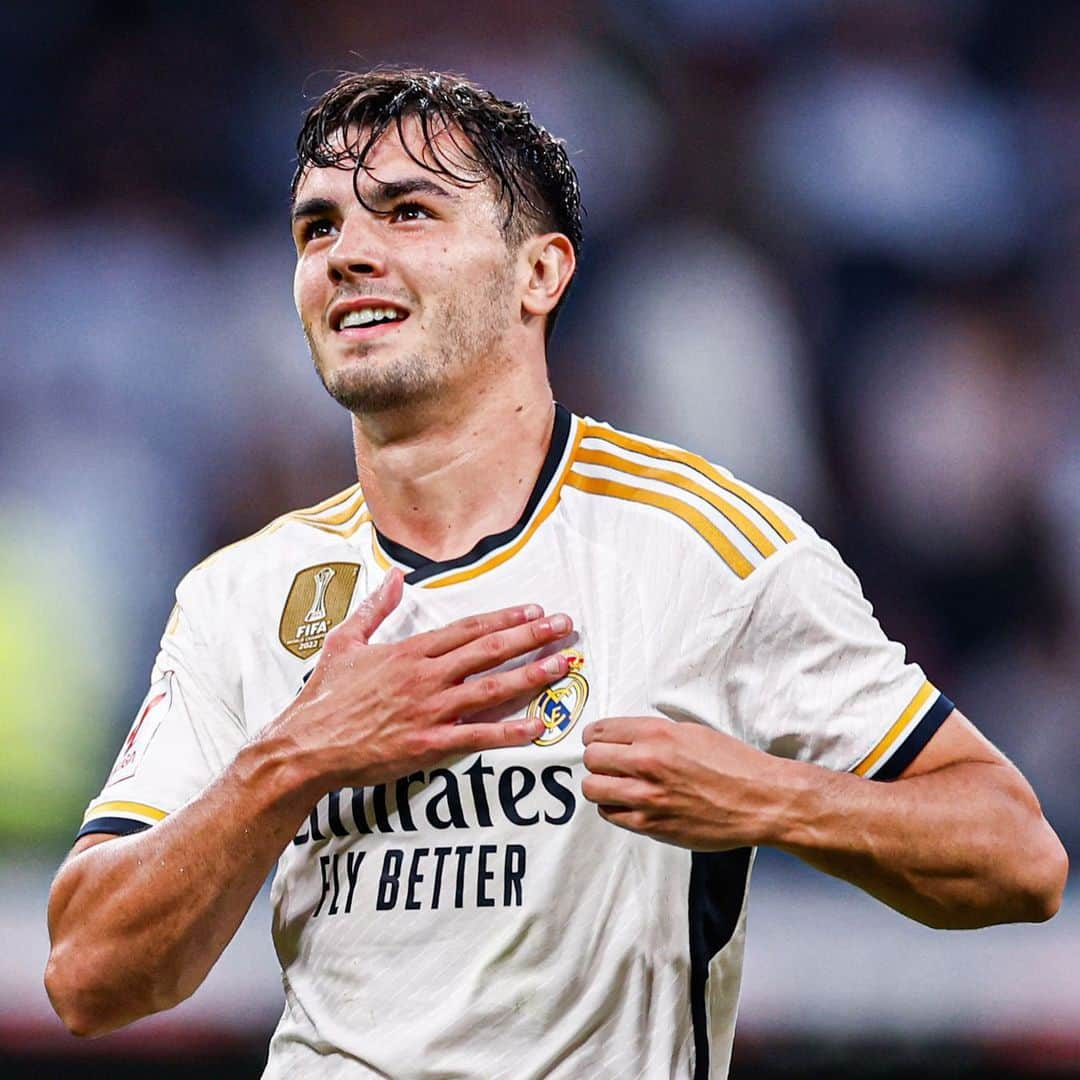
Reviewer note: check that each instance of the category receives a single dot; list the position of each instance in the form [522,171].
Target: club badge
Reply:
[561,704]
[318,600]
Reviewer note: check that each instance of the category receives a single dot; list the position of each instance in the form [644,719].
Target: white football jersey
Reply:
[480,919]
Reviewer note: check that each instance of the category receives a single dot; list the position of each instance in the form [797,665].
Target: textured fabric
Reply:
[480,919]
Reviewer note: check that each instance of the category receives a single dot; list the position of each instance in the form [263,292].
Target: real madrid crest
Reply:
[561,704]
[318,600]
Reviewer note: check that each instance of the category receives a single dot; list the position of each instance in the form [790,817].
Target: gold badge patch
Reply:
[318,600]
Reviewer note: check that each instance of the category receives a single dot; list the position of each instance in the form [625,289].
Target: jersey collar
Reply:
[492,550]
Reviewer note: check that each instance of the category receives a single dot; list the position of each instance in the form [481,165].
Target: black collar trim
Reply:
[423,568]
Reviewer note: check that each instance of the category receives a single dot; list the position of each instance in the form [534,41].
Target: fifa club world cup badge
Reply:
[318,600]
[561,704]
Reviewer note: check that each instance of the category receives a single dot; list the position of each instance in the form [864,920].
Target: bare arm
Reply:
[957,841]
[137,922]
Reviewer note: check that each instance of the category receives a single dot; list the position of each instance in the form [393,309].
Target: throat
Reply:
[470,502]
[433,539]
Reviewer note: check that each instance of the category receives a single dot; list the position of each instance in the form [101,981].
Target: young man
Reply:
[447,902]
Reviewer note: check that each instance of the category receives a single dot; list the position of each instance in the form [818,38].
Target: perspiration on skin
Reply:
[453,425]
[436,252]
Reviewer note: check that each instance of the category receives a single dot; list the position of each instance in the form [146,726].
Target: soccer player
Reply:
[511,841]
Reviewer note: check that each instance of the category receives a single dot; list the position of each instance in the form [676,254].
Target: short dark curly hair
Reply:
[530,169]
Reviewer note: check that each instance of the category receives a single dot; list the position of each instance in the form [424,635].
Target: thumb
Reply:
[373,610]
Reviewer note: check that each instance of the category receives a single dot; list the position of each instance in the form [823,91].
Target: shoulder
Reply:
[666,496]
[313,530]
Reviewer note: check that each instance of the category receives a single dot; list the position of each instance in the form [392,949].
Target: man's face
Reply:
[434,255]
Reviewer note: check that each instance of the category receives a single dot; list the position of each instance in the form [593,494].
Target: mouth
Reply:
[366,318]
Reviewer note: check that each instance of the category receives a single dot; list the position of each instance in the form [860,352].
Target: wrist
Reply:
[275,776]
[795,804]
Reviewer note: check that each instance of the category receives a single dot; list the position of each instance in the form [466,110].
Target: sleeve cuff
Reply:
[908,736]
[117,826]
[120,817]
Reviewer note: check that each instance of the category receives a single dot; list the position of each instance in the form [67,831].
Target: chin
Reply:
[370,392]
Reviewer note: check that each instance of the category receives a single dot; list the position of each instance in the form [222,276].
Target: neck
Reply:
[449,473]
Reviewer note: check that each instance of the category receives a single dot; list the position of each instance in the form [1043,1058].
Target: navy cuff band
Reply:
[116,826]
[913,745]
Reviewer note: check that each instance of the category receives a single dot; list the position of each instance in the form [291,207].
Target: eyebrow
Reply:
[313,208]
[380,194]
[417,185]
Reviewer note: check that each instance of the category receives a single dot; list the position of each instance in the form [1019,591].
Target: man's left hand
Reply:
[682,783]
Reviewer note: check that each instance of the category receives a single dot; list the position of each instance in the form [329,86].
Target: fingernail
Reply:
[560,624]
[386,579]
[533,611]
[553,665]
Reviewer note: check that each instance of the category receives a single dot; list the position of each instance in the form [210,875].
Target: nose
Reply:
[358,251]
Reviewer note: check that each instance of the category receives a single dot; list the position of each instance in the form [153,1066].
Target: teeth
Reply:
[368,315]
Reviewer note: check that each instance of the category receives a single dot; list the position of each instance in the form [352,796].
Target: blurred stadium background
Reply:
[834,246]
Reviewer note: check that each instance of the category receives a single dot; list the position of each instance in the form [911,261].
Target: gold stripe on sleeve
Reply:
[727,551]
[330,503]
[339,529]
[304,517]
[741,522]
[273,527]
[698,464]
[106,808]
[894,733]
[338,518]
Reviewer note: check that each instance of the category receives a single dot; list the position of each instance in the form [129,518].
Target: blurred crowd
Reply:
[833,246]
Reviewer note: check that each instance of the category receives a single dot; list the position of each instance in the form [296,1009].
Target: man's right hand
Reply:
[138,922]
[372,713]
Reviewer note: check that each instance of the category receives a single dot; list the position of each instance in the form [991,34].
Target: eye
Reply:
[313,228]
[410,211]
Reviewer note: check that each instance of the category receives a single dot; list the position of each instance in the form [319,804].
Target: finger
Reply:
[456,634]
[494,689]
[469,738]
[373,610]
[496,648]
[620,791]
[617,729]
[610,759]
[631,820]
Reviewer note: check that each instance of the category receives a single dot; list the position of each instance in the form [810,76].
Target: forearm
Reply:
[137,922]
[946,848]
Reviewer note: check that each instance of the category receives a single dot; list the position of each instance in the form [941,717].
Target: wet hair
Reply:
[490,140]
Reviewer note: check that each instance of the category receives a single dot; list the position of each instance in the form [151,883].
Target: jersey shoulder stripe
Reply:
[341,514]
[694,463]
[740,526]
[739,520]
[328,504]
[727,551]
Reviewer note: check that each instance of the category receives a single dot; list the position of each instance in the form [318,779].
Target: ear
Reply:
[550,263]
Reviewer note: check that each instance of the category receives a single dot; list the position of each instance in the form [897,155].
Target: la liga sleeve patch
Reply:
[152,711]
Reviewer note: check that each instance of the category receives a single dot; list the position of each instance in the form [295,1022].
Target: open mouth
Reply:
[368,317]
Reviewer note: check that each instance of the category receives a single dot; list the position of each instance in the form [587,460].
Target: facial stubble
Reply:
[465,340]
